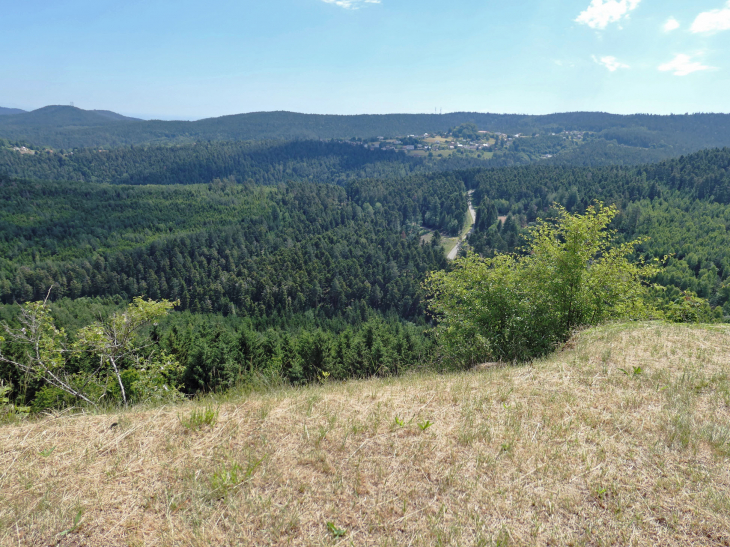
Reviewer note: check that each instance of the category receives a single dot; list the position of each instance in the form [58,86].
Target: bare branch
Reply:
[47,295]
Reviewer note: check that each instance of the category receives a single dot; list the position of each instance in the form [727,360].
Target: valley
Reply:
[310,358]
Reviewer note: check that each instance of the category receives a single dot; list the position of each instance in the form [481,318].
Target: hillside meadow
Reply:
[620,438]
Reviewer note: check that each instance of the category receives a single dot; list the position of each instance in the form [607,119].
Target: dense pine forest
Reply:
[237,247]
[253,162]
[272,162]
[298,259]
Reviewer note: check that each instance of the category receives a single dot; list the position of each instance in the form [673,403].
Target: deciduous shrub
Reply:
[572,273]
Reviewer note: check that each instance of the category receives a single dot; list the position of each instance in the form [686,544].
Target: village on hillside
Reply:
[465,140]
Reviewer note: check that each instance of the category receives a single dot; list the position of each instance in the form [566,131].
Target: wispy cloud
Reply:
[610,62]
[712,21]
[671,24]
[351,4]
[682,65]
[603,12]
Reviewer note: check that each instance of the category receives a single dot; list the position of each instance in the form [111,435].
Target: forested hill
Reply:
[701,175]
[9,111]
[68,127]
[228,248]
[58,116]
[325,280]
[272,162]
[102,240]
[259,162]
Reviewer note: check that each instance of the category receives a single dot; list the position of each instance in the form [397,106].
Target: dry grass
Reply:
[568,451]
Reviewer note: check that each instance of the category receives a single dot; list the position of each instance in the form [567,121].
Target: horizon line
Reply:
[150,118]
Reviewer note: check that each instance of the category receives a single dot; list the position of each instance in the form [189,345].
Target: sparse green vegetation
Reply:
[200,417]
[335,531]
[41,353]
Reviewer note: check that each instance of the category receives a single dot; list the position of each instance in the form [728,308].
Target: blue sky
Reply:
[192,59]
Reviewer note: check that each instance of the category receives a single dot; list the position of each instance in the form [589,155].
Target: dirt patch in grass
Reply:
[620,439]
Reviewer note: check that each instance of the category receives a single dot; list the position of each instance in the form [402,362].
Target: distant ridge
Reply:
[56,116]
[9,111]
[114,116]
[69,127]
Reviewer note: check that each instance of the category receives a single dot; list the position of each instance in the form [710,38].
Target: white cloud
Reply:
[350,4]
[713,20]
[671,24]
[602,12]
[610,62]
[682,65]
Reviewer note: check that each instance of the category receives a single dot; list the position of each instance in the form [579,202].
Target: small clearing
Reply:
[453,244]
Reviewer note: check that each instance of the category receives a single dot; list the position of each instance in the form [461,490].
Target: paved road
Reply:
[473,213]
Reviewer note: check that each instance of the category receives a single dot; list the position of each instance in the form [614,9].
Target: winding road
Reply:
[455,251]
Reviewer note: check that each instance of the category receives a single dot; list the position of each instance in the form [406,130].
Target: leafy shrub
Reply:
[517,307]
[686,307]
[117,340]
[157,379]
[51,398]
[6,407]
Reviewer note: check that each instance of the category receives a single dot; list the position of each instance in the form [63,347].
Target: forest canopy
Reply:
[290,261]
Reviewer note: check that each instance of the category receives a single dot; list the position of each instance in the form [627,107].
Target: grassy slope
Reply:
[568,451]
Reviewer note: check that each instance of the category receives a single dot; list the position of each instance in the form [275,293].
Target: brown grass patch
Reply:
[568,451]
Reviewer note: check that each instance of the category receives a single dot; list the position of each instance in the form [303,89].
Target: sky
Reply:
[188,59]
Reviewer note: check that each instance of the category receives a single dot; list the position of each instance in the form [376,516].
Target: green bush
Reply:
[51,398]
[517,307]
[686,307]
[7,409]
